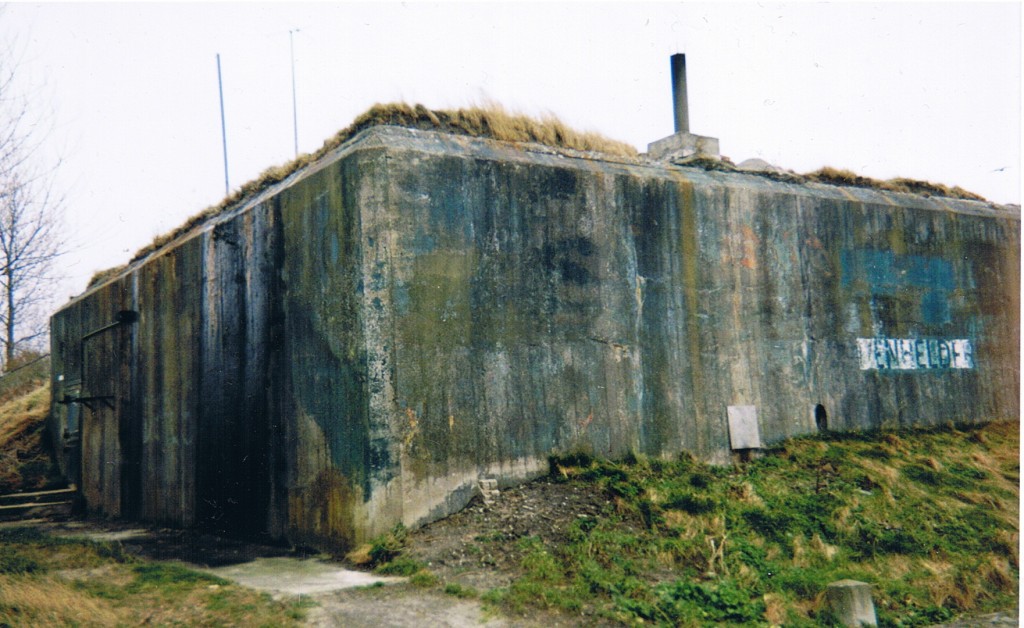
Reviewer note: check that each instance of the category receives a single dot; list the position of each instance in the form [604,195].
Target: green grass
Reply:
[460,591]
[929,518]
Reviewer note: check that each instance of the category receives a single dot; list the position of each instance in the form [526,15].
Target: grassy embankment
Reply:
[929,518]
[25,461]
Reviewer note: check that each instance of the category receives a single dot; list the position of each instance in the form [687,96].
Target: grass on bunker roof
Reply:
[493,121]
[490,120]
[929,518]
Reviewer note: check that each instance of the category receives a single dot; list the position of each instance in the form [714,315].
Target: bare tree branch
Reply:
[30,219]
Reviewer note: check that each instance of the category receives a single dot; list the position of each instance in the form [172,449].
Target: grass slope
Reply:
[928,518]
[25,461]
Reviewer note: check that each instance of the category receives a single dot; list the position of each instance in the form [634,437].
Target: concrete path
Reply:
[283,575]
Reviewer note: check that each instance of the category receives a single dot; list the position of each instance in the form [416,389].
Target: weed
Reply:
[167,577]
[460,591]
[774,525]
[923,474]
[691,503]
[559,463]
[23,534]
[17,563]
[400,566]
[387,547]
[423,579]
[700,480]
[686,602]
[836,176]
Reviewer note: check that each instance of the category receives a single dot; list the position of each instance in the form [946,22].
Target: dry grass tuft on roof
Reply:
[489,121]
[835,176]
[495,122]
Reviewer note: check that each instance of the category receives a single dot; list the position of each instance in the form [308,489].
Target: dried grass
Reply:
[24,461]
[52,602]
[775,609]
[823,549]
[21,413]
[836,176]
[360,556]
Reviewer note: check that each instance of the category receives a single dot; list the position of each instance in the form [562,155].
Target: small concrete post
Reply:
[851,603]
[681,107]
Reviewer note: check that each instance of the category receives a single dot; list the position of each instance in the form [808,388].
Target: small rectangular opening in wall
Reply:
[72,413]
[744,431]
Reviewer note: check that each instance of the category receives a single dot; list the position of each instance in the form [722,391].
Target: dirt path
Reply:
[398,606]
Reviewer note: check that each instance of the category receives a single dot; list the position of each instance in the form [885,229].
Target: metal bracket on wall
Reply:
[88,402]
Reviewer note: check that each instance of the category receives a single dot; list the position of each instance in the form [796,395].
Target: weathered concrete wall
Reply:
[358,345]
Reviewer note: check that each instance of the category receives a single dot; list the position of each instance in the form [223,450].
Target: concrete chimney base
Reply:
[683,145]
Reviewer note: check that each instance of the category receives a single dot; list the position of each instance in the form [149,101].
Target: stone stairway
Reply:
[15,506]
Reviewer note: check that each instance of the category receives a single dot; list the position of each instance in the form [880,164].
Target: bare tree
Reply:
[30,214]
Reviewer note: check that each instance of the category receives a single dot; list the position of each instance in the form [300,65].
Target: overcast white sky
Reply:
[923,90]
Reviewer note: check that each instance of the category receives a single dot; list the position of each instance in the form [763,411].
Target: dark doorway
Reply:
[820,418]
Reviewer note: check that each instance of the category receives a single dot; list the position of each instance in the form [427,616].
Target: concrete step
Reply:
[39,497]
[36,511]
[16,506]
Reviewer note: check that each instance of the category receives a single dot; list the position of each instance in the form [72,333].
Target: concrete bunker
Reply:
[360,343]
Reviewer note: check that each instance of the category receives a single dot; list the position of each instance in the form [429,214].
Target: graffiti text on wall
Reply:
[910,354]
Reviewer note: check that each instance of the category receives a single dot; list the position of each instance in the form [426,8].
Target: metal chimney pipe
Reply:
[680,106]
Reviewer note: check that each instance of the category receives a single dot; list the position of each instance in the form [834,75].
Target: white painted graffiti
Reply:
[910,354]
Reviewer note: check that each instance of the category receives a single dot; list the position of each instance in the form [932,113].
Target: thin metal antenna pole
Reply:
[295,110]
[223,128]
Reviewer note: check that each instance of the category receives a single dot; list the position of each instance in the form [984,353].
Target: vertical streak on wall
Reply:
[182,383]
[259,345]
[280,429]
[102,377]
[169,319]
[222,436]
[376,242]
[131,417]
[689,251]
[151,350]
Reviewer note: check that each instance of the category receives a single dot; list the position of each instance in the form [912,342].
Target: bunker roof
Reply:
[492,121]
